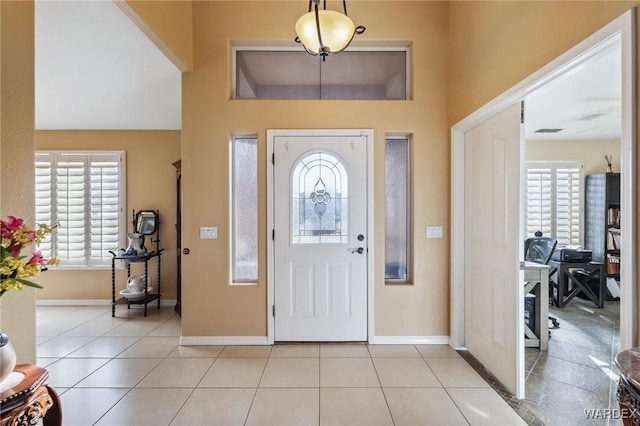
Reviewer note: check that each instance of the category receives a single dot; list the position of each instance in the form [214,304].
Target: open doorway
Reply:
[623,26]
[572,146]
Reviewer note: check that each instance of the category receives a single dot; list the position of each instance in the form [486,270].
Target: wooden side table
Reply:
[30,400]
[628,393]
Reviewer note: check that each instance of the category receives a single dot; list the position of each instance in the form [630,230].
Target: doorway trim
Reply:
[271,135]
[624,26]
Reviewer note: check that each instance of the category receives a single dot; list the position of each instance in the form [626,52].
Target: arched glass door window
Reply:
[319,195]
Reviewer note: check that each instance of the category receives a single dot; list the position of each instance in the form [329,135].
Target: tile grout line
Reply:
[384,395]
[319,382]
[255,394]
[527,415]
[424,359]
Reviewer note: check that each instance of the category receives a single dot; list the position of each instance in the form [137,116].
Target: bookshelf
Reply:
[602,221]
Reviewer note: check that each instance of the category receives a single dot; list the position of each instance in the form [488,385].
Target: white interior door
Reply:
[320,239]
[493,288]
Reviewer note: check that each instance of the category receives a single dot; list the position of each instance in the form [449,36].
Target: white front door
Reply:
[493,288]
[320,238]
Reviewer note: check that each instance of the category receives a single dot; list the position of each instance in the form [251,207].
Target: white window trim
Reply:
[554,165]
[122,194]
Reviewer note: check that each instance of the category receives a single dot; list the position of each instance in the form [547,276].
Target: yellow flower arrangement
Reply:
[14,270]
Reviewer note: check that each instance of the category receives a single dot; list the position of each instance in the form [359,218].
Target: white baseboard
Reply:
[93,302]
[263,340]
[222,340]
[410,340]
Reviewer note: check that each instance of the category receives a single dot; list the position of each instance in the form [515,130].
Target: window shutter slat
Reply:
[81,192]
[553,201]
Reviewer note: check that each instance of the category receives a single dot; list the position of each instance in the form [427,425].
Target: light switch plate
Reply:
[208,233]
[434,232]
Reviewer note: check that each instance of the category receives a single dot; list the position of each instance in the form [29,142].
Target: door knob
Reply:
[358,250]
[360,237]
[186,251]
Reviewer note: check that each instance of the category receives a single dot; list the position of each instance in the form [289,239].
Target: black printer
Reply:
[569,254]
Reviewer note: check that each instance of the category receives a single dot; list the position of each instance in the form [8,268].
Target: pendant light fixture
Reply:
[324,32]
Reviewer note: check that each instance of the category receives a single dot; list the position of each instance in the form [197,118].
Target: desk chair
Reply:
[540,250]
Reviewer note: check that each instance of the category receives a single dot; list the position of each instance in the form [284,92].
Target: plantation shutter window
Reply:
[83,194]
[554,201]
[44,199]
[105,206]
[539,208]
[568,205]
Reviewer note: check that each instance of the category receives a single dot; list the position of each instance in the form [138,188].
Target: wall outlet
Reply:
[434,232]
[208,233]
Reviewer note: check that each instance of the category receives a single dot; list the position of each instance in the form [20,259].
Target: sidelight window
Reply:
[396,205]
[244,210]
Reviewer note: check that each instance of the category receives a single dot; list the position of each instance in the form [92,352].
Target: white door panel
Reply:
[492,199]
[320,200]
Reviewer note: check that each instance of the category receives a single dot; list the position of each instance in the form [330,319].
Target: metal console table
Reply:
[148,297]
[145,223]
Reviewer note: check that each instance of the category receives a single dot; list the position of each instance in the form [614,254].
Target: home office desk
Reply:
[570,283]
[536,279]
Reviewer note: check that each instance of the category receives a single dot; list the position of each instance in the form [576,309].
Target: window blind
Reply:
[83,194]
[554,201]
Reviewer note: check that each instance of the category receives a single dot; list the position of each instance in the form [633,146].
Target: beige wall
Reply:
[17,309]
[459,52]
[168,24]
[151,184]
[211,307]
[590,152]
[494,45]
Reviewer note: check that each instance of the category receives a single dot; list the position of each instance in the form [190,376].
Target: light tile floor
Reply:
[130,370]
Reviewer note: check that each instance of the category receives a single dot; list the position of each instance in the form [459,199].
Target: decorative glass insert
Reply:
[319,200]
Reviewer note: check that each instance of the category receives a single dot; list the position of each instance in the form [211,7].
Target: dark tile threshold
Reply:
[517,405]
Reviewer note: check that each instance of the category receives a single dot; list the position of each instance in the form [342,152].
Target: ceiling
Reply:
[96,70]
[584,102]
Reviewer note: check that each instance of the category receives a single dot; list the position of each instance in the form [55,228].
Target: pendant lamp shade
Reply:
[324,32]
[336,29]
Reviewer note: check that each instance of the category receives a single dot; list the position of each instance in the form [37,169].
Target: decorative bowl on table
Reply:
[130,295]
